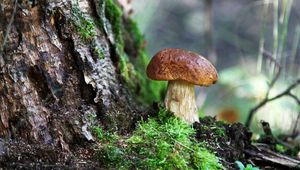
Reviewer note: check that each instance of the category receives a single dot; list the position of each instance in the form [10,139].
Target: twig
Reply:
[260,153]
[8,29]
[271,84]
[286,92]
[267,99]
[295,98]
[269,137]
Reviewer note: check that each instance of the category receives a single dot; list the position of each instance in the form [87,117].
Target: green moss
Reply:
[159,143]
[216,130]
[84,26]
[149,91]
[99,53]
[98,132]
[135,34]
[114,14]
[104,136]
[280,148]
[201,113]
[204,159]
[123,64]
[110,153]
[146,91]
[220,132]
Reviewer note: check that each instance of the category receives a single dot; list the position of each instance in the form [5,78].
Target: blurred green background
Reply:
[241,38]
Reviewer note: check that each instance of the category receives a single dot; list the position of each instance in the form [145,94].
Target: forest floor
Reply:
[235,146]
[230,143]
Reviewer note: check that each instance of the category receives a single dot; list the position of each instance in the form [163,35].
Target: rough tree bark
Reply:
[63,68]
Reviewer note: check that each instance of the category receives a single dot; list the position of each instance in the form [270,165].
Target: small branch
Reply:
[266,99]
[287,92]
[295,98]
[253,111]
[260,153]
[8,29]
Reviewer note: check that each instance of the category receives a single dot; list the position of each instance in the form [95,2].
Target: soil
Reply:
[227,140]
[22,155]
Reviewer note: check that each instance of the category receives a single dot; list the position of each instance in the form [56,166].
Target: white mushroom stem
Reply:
[180,99]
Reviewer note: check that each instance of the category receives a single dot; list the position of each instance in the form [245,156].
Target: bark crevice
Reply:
[39,81]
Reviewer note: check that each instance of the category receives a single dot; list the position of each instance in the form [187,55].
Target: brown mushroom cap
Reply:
[178,64]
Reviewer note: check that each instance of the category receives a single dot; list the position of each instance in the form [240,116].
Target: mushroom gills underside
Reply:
[180,99]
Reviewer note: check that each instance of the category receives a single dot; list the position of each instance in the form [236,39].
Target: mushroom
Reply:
[182,69]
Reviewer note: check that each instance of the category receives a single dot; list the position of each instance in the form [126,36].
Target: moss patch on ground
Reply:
[164,142]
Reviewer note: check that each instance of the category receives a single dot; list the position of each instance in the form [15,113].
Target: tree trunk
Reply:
[65,66]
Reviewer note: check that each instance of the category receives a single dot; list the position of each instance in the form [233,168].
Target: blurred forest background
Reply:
[248,41]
